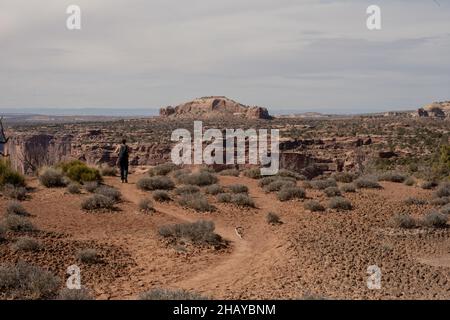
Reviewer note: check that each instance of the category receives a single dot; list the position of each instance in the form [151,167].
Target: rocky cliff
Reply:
[214,107]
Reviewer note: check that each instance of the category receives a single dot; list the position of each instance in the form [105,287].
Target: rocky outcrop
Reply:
[435,110]
[214,107]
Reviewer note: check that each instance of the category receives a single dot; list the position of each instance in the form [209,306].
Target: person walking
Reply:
[123,151]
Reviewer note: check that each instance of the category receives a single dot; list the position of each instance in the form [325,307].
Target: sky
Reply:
[296,55]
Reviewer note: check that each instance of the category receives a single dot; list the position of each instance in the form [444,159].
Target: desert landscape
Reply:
[352,192]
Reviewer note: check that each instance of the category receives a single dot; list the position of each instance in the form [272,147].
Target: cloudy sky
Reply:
[301,55]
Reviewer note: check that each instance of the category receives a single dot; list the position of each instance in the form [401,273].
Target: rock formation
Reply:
[214,107]
[435,110]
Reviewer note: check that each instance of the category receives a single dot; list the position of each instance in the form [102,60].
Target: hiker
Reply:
[123,152]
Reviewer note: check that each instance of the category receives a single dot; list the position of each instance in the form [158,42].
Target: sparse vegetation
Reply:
[90,186]
[272,218]
[2,232]
[278,184]
[12,192]
[238,188]
[146,205]
[52,178]
[323,184]
[161,196]
[404,221]
[230,172]
[213,189]
[26,244]
[202,178]
[314,206]
[10,176]
[200,232]
[98,202]
[224,197]
[162,169]
[19,224]
[242,200]
[290,174]
[197,202]
[443,190]
[340,203]
[253,173]
[435,219]
[348,187]
[427,185]
[88,256]
[291,192]
[367,183]
[415,201]
[345,177]
[155,183]
[74,188]
[332,192]
[79,172]
[75,294]
[108,171]
[170,294]
[187,189]
[109,192]
[440,201]
[410,181]
[393,176]
[16,208]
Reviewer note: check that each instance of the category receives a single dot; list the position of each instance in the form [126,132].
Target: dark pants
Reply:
[124,170]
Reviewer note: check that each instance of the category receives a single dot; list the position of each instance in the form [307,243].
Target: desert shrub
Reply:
[435,219]
[340,203]
[9,176]
[74,188]
[345,177]
[409,181]
[290,174]
[415,201]
[26,244]
[332,192]
[177,173]
[443,190]
[199,232]
[393,176]
[238,188]
[98,202]
[427,185]
[403,220]
[197,202]
[155,183]
[146,205]
[23,281]
[74,294]
[80,172]
[162,169]
[307,184]
[278,184]
[253,173]
[323,184]
[88,256]
[13,192]
[242,200]
[367,183]
[440,201]
[108,171]
[214,189]
[272,218]
[224,197]
[202,178]
[161,196]
[230,172]
[90,186]
[15,207]
[2,232]
[348,187]
[291,192]
[187,189]
[51,178]
[109,192]
[17,223]
[169,294]
[445,209]
[313,206]
[267,180]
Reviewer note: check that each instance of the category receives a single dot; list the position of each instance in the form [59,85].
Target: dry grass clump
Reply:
[230,172]
[197,202]
[52,178]
[16,208]
[200,232]
[98,202]
[238,188]
[345,177]
[290,174]
[18,224]
[393,176]
[10,176]
[445,209]
[162,169]
[291,192]
[440,201]
[410,181]
[90,186]
[170,294]
[340,203]
[187,189]
[146,205]
[202,178]
[13,192]
[88,256]
[242,200]
[224,197]
[109,192]
[2,232]
[161,196]
[74,188]
[25,282]
[213,189]
[273,218]
[332,192]
[435,219]
[443,190]
[367,182]
[108,171]
[348,187]
[75,294]
[427,185]
[404,221]
[323,184]
[253,173]
[415,201]
[314,206]
[279,184]
[26,244]
[155,183]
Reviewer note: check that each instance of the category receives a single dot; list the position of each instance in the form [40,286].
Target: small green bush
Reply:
[313,206]
[155,183]
[52,178]
[340,203]
[80,172]
[290,174]
[161,196]
[9,176]
[291,192]
[440,201]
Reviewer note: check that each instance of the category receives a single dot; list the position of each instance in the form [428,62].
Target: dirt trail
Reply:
[249,261]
